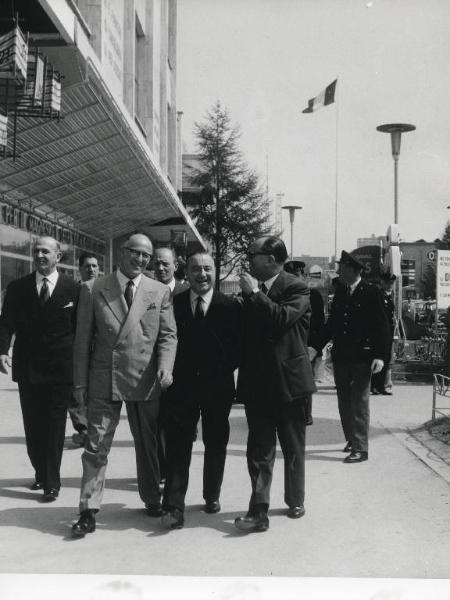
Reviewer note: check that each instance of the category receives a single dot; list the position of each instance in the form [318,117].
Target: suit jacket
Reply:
[357,325]
[317,321]
[180,287]
[208,350]
[44,336]
[118,353]
[275,363]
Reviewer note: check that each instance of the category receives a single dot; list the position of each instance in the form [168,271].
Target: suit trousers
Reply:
[288,421]
[181,423]
[103,418]
[353,392]
[44,411]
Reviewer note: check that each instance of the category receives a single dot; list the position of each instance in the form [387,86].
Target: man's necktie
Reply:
[44,294]
[263,288]
[129,293]
[199,313]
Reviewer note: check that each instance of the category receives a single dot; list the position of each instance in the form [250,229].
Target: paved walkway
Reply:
[386,518]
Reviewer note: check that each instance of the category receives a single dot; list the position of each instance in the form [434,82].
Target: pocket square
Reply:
[68,305]
[150,306]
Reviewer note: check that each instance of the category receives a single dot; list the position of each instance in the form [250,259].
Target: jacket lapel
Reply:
[114,298]
[140,304]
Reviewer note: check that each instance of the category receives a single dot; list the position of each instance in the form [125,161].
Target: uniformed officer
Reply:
[358,327]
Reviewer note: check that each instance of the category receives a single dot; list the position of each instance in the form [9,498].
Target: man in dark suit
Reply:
[317,321]
[358,327]
[275,378]
[39,309]
[382,381]
[124,352]
[203,385]
[165,265]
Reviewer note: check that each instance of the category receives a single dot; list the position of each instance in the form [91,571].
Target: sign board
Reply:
[443,279]
[3,130]
[370,257]
[13,55]
[431,255]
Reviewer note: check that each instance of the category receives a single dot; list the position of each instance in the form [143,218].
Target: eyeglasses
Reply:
[253,254]
[137,253]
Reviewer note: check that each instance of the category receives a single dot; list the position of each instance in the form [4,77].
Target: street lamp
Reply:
[396,130]
[292,208]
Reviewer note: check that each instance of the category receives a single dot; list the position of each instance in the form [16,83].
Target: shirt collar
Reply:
[52,278]
[123,279]
[354,285]
[171,284]
[206,297]
[269,282]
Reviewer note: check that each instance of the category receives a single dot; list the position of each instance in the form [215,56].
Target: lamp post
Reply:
[396,130]
[292,208]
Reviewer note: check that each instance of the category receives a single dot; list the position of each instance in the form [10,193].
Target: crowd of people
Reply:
[169,351]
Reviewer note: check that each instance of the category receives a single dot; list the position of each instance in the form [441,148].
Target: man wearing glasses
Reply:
[275,378]
[124,351]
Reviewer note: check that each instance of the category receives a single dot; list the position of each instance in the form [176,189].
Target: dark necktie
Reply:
[44,294]
[263,288]
[129,293]
[199,314]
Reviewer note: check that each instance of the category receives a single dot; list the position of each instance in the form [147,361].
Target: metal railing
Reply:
[441,396]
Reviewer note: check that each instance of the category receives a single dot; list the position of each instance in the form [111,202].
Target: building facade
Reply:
[107,163]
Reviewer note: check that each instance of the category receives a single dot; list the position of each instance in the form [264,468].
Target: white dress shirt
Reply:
[51,281]
[206,300]
[123,280]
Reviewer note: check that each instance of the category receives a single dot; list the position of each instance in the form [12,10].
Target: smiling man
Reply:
[124,352]
[39,309]
[203,386]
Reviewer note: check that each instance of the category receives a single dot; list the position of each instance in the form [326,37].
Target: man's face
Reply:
[89,269]
[135,255]
[347,273]
[259,261]
[46,255]
[201,273]
[164,265]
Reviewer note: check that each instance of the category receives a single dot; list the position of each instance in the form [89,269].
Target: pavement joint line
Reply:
[423,452]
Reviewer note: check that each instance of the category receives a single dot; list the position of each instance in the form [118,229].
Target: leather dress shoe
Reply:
[295,512]
[348,447]
[212,506]
[84,525]
[309,421]
[355,457]
[37,485]
[374,391]
[173,519]
[253,522]
[51,494]
[385,392]
[154,510]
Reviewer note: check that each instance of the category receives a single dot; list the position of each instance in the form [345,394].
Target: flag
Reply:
[325,97]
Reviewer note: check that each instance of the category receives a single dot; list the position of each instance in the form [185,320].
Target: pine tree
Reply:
[429,281]
[231,210]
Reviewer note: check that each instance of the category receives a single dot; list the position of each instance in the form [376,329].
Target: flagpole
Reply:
[336,178]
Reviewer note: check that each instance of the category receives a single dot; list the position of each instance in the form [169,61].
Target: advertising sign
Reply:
[443,279]
[13,55]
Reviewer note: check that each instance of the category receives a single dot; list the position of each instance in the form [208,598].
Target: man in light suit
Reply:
[124,352]
[40,310]
[275,378]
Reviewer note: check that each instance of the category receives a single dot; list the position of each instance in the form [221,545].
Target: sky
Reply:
[263,60]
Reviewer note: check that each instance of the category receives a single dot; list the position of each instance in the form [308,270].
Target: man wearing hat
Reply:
[382,382]
[358,327]
[297,268]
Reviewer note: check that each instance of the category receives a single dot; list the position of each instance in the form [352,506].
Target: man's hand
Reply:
[80,396]
[247,283]
[165,379]
[4,363]
[377,365]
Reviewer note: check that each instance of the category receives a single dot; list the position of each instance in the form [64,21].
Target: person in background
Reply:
[124,351]
[382,381]
[275,378]
[39,309]
[164,266]
[316,324]
[89,269]
[358,327]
